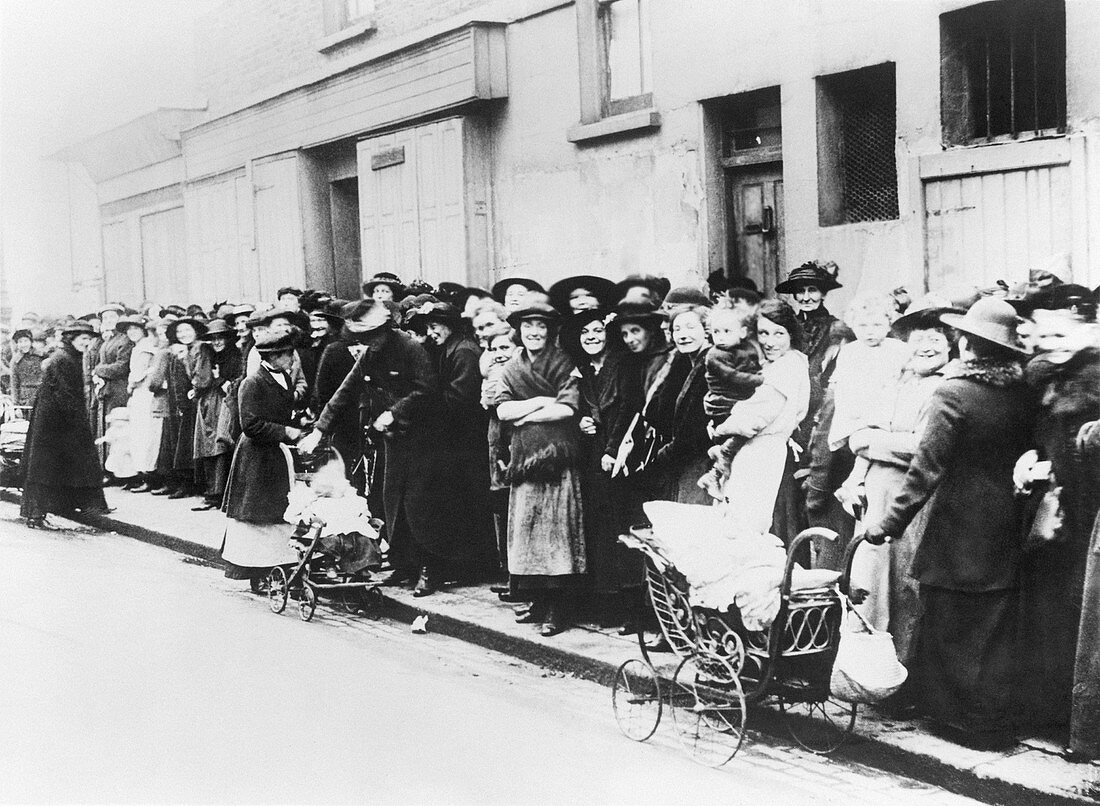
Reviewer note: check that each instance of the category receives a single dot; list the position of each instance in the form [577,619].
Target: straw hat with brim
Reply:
[501,288]
[535,310]
[991,319]
[808,273]
[127,322]
[450,292]
[239,310]
[218,327]
[198,324]
[387,279]
[111,306]
[657,286]
[599,287]
[76,327]
[277,342]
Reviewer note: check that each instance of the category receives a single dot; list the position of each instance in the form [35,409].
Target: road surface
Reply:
[130,673]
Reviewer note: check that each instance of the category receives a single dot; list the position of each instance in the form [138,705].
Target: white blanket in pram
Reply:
[725,566]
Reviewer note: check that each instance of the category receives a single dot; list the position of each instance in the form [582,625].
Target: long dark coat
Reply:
[26,377]
[677,413]
[1053,577]
[345,429]
[397,370]
[60,466]
[211,371]
[980,421]
[463,426]
[258,480]
[114,368]
[611,567]
[180,374]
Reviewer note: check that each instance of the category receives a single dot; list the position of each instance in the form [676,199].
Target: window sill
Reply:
[353,31]
[617,124]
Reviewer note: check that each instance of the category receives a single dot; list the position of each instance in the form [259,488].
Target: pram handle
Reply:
[800,538]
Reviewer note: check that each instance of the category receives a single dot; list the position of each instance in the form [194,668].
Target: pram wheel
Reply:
[820,727]
[277,590]
[307,604]
[636,699]
[373,603]
[708,709]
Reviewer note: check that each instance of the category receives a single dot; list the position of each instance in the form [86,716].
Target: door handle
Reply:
[767,222]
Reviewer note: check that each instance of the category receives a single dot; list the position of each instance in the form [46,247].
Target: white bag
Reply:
[866,669]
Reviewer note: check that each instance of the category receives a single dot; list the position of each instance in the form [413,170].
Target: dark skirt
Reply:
[1085,720]
[965,657]
[42,499]
[612,567]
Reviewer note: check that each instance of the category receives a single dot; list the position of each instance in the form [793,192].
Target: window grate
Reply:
[867,156]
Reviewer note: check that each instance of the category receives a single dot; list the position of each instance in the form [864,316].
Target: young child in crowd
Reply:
[733,374]
[867,371]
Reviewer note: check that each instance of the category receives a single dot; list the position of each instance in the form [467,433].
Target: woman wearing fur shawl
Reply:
[980,421]
[540,398]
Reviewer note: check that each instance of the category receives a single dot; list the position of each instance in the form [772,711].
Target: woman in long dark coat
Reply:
[217,364]
[1065,374]
[980,421]
[262,470]
[463,425]
[394,387]
[61,470]
[600,364]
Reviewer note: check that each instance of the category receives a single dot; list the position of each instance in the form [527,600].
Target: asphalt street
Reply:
[131,674]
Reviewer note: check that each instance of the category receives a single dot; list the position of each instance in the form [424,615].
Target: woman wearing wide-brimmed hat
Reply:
[217,365]
[384,287]
[463,425]
[581,292]
[980,421]
[148,406]
[600,362]
[60,469]
[512,292]
[539,398]
[262,469]
[175,462]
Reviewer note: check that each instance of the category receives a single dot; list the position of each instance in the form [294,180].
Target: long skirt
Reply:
[144,431]
[1085,718]
[546,529]
[682,482]
[755,475]
[965,658]
[41,499]
[250,550]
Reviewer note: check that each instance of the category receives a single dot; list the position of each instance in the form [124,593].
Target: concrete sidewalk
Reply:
[1033,772]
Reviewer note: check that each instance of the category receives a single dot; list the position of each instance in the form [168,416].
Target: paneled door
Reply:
[754,210]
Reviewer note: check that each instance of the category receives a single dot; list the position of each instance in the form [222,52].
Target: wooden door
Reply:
[164,256]
[754,210]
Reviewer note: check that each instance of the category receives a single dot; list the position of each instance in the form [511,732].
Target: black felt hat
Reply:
[599,287]
[810,273]
[501,288]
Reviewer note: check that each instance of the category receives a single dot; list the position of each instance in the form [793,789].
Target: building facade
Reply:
[927,144]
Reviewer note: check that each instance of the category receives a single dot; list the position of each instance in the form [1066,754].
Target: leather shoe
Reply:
[163,491]
[500,587]
[175,495]
[425,586]
[205,506]
[553,624]
[142,488]
[529,617]
[512,598]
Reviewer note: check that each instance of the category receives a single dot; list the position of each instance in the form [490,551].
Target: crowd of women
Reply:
[514,432]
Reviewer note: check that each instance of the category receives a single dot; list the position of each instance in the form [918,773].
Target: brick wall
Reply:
[246,46]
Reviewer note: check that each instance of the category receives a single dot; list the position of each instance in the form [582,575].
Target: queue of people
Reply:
[513,433]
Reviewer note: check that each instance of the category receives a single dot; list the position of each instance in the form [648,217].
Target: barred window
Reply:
[856,133]
[1003,70]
